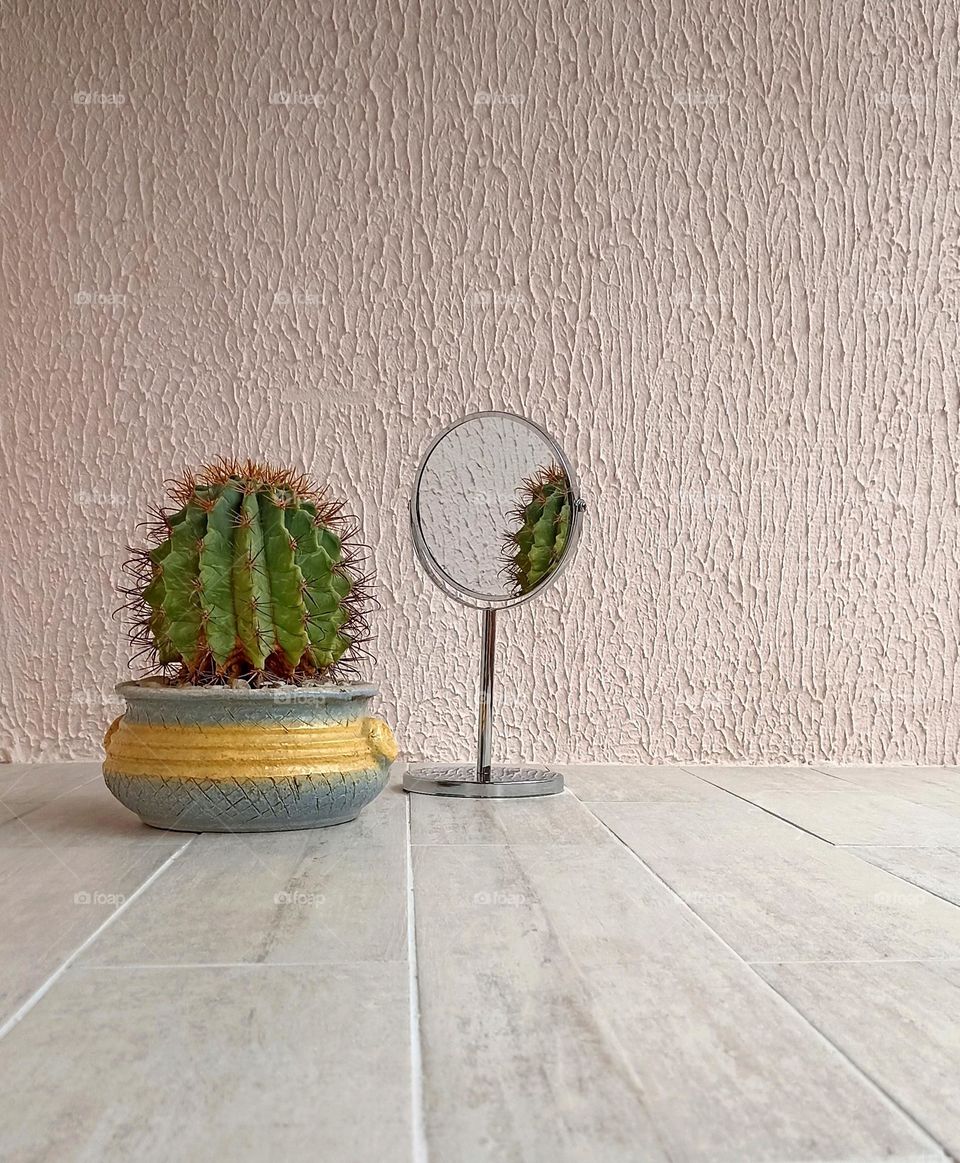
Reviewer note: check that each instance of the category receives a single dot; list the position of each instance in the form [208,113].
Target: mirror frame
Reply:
[435,571]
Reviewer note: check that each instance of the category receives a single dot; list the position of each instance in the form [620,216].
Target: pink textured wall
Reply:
[713,246]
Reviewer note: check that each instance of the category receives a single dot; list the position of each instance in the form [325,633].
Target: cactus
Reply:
[252,576]
[535,549]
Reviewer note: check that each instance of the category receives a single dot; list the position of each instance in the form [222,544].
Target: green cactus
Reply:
[253,576]
[535,549]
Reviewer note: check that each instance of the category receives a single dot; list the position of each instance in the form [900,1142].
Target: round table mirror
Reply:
[495,514]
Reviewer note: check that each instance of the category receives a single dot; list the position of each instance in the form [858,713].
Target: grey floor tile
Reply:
[328,894]
[587,1014]
[253,1001]
[899,1023]
[51,902]
[557,819]
[839,811]
[934,787]
[935,869]
[636,783]
[778,894]
[84,816]
[26,787]
[248,1063]
[750,780]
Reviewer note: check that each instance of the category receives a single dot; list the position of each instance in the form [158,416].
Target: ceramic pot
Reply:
[223,759]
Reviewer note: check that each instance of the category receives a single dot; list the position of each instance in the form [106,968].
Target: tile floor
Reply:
[709,964]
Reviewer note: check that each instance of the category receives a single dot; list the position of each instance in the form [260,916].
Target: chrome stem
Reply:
[485,721]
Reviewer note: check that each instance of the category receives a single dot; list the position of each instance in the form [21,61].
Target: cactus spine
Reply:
[535,549]
[253,576]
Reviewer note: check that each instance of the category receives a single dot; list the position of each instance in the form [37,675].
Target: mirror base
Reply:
[462,781]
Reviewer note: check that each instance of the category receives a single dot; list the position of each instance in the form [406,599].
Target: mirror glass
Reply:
[494,509]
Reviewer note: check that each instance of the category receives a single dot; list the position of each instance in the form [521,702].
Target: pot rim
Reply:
[146,689]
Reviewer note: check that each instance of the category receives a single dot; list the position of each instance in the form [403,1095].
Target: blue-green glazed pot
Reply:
[224,759]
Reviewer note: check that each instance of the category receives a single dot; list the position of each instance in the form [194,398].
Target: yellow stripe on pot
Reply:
[246,752]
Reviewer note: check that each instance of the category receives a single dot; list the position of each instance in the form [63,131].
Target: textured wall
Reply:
[713,246]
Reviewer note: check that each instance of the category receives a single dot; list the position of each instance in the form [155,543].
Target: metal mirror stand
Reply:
[486,780]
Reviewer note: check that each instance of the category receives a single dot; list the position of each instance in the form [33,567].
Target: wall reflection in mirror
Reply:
[494,508]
